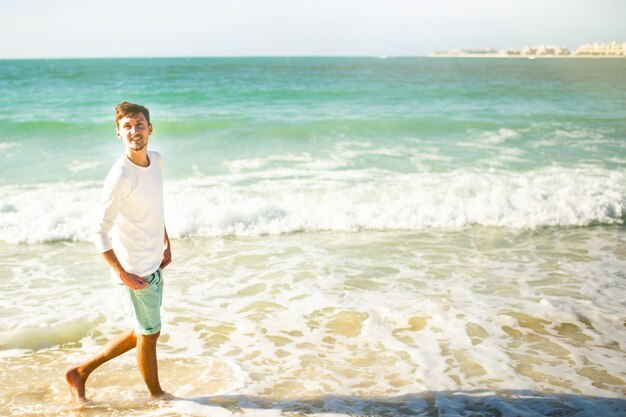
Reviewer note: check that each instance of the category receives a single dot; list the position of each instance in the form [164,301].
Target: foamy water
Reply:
[283,201]
[394,322]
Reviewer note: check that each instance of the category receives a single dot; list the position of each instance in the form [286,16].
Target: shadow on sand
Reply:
[450,403]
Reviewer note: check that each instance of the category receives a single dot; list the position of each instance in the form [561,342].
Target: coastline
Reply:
[447,55]
[589,50]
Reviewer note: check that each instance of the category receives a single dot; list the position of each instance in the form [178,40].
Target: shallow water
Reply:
[352,323]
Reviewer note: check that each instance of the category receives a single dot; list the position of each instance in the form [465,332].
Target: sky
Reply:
[159,28]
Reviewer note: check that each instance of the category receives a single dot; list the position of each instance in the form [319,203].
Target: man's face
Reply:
[134,131]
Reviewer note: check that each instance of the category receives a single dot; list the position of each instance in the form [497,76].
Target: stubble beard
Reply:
[138,145]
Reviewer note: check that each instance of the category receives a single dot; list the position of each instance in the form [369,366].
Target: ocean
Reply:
[350,236]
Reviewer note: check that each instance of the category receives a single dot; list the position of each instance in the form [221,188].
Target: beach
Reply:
[350,236]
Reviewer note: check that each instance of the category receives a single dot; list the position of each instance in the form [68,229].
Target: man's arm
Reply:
[167,252]
[132,281]
[115,188]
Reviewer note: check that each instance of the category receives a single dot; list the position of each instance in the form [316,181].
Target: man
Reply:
[137,250]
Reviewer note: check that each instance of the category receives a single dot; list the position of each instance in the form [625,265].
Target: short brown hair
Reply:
[126,109]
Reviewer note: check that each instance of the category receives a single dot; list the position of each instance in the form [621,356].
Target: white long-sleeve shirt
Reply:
[131,220]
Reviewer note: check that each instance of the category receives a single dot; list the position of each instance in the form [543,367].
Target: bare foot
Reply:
[164,396]
[77,384]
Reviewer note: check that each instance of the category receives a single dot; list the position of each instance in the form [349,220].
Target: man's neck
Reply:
[139,158]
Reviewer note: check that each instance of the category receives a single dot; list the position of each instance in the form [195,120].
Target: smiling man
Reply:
[132,239]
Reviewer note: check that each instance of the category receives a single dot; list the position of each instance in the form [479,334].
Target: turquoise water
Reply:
[351,235]
[553,112]
[483,132]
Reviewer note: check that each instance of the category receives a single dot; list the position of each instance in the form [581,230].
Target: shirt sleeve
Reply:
[116,188]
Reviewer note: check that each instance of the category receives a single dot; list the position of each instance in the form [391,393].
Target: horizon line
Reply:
[432,55]
[378,56]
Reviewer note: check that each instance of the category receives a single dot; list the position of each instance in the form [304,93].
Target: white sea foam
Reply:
[286,200]
[499,136]
[77,166]
[9,145]
[335,323]
[586,134]
[47,212]
[304,160]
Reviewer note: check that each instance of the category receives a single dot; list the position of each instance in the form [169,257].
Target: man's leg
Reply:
[77,376]
[147,362]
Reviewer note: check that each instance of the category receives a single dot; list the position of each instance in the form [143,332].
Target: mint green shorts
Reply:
[144,305]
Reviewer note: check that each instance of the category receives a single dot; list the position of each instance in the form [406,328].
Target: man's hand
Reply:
[132,281]
[167,253]
[167,257]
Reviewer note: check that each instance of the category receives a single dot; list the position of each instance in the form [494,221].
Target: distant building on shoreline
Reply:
[591,50]
[598,48]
